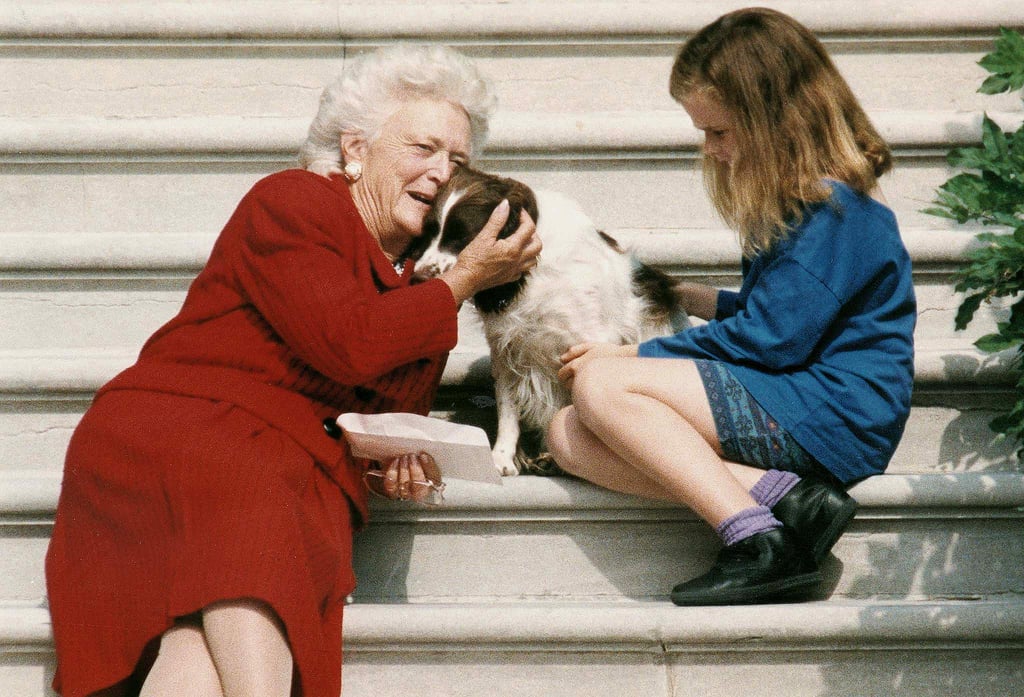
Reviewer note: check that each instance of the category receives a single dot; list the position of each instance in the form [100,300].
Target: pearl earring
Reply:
[353,170]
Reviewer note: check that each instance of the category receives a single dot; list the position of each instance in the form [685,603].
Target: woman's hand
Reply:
[410,477]
[487,261]
[575,358]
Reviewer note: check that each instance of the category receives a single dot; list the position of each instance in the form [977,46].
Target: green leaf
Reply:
[1011,423]
[968,307]
[994,140]
[995,84]
[994,343]
[1015,327]
[1005,62]
[989,190]
[939,212]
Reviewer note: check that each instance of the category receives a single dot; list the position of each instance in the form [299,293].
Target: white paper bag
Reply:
[461,451]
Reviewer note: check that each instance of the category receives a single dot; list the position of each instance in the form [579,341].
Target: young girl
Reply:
[800,382]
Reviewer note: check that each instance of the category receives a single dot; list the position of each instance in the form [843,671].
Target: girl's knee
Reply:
[559,439]
[594,383]
[556,438]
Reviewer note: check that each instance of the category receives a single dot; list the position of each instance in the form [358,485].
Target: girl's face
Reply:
[716,122]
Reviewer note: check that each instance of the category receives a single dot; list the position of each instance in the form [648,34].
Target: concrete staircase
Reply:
[128,132]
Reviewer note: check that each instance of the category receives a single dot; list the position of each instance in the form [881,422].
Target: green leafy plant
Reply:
[991,192]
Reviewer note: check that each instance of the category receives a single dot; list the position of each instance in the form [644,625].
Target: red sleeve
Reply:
[305,264]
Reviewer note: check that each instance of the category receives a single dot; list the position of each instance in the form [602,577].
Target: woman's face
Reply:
[414,155]
[716,122]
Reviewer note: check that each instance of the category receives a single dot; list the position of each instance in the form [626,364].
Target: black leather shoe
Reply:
[764,567]
[817,512]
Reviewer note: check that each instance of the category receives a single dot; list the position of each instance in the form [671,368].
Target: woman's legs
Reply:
[249,648]
[183,667]
[238,650]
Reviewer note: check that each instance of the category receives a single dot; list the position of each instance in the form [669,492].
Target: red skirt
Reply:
[172,503]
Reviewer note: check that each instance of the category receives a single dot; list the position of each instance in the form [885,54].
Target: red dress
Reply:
[204,472]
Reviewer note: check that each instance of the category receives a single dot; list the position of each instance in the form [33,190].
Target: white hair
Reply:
[376,85]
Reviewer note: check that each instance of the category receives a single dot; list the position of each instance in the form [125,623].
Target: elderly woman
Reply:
[203,537]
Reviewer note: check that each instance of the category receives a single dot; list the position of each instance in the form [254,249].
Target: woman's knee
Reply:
[184,639]
[249,647]
[248,618]
[183,664]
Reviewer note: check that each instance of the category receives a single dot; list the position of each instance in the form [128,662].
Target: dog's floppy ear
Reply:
[420,244]
[519,197]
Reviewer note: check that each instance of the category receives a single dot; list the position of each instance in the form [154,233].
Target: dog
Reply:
[585,287]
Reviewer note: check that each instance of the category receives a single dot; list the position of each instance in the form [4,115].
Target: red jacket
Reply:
[297,317]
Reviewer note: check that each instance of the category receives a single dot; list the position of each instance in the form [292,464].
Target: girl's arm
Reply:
[698,299]
[785,316]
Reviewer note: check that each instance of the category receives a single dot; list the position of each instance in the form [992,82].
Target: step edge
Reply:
[645,626]
[26,492]
[37,372]
[529,20]
[513,134]
[114,254]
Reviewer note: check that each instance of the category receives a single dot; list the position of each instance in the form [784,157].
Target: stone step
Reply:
[108,292]
[959,391]
[161,183]
[557,649]
[152,119]
[915,537]
[343,20]
[174,58]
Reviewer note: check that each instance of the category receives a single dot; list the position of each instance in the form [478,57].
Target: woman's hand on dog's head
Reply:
[488,261]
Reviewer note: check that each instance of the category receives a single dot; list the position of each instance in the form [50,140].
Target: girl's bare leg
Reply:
[578,451]
[644,426]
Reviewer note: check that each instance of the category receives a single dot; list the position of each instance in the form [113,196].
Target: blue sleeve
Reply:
[726,304]
[786,314]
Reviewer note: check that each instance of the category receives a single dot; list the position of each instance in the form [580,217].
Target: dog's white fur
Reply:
[581,290]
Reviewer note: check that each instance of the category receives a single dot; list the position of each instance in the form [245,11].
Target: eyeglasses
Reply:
[429,493]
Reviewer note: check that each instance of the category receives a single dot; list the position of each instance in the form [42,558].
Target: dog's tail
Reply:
[662,296]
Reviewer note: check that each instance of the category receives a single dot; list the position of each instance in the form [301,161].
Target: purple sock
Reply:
[747,522]
[772,486]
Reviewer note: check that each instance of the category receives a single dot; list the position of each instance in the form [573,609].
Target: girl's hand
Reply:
[410,477]
[577,356]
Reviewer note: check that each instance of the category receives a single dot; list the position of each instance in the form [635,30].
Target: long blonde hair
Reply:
[796,122]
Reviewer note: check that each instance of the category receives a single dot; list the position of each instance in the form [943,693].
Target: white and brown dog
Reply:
[585,287]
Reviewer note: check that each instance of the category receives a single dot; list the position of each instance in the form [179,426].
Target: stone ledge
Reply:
[76,372]
[33,493]
[653,650]
[524,19]
[513,134]
[653,627]
[120,254]
[658,627]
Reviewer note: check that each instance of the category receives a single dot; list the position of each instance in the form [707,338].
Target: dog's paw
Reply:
[505,464]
